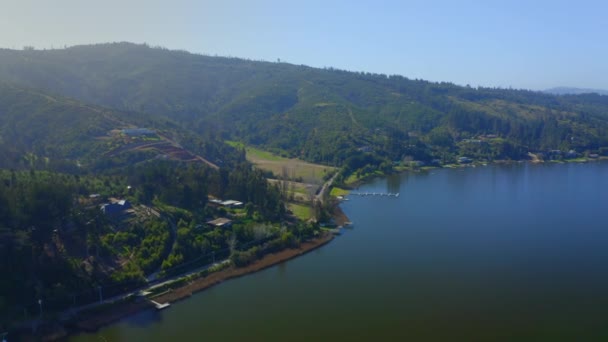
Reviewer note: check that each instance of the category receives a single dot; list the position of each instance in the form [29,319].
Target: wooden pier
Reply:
[160,306]
[385,194]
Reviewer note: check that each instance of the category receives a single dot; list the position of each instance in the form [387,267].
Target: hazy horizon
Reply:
[521,45]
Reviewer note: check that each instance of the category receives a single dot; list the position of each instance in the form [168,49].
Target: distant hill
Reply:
[38,130]
[322,115]
[574,91]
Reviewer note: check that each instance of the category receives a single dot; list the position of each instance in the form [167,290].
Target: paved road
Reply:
[321,195]
[74,311]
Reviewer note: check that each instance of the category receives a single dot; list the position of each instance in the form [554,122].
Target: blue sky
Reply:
[521,44]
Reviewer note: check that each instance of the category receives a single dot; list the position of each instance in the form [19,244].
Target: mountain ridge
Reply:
[574,91]
[322,115]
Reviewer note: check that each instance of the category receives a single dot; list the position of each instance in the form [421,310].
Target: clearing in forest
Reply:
[293,168]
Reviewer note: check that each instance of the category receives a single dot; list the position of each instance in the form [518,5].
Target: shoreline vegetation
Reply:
[355,183]
[93,320]
[308,177]
[185,287]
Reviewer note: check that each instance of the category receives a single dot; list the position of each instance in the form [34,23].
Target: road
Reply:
[150,286]
[321,194]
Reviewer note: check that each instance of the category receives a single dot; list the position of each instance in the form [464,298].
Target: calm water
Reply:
[488,253]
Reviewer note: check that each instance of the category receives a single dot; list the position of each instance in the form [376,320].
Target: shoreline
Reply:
[477,163]
[92,322]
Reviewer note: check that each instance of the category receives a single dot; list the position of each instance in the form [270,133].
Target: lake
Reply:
[516,252]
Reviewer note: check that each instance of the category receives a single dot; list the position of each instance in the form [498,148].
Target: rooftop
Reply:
[220,222]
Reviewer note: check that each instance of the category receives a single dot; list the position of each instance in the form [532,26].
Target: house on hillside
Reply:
[365,149]
[227,203]
[465,160]
[232,204]
[221,222]
[115,207]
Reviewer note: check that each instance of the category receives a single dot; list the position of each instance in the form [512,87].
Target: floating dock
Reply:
[160,306]
[386,194]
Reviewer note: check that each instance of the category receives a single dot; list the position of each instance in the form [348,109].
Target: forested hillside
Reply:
[322,115]
[57,245]
[43,131]
[90,128]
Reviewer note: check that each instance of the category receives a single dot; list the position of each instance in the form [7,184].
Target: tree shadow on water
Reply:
[145,318]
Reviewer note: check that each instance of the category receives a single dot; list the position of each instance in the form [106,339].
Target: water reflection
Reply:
[282,267]
[145,318]
[394,182]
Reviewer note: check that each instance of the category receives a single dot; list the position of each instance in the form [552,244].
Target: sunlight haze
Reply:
[520,44]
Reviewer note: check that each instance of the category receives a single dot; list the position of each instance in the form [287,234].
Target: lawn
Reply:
[303,212]
[335,191]
[257,154]
[353,178]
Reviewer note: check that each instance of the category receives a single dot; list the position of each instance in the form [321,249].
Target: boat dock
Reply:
[386,194]
[159,306]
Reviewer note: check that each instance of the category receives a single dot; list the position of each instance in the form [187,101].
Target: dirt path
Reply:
[175,144]
[352,117]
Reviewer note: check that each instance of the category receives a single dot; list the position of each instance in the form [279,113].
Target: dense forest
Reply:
[56,244]
[321,115]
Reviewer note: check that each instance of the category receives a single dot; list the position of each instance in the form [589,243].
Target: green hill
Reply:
[322,115]
[38,130]
[102,121]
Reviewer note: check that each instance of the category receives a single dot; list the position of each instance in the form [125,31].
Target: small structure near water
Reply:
[160,306]
[375,194]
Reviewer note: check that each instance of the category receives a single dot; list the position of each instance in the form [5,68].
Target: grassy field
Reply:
[301,191]
[303,212]
[353,178]
[311,176]
[335,191]
[295,168]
